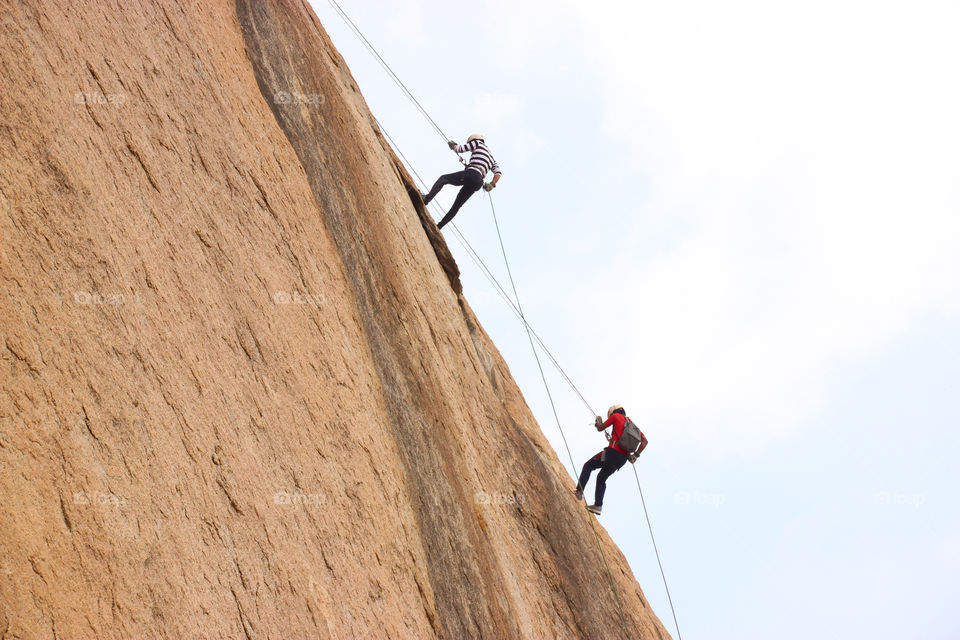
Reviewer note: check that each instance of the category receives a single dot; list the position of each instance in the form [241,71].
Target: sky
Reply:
[741,221]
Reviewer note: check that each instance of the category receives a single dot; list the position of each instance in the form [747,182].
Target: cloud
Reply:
[809,157]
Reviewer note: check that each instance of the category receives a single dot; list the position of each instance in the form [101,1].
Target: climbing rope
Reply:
[546,386]
[390,72]
[493,210]
[657,552]
[387,68]
[491,278]
[518,310]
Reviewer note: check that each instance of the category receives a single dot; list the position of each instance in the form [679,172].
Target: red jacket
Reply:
[616,420]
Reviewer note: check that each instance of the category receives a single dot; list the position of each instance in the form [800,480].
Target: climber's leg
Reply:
[589,467]
[612,461]
[456,178]
[471,184]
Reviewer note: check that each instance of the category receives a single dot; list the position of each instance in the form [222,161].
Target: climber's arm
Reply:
[496,172]
[643,443]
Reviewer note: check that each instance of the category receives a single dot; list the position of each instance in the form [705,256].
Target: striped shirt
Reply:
[481,160]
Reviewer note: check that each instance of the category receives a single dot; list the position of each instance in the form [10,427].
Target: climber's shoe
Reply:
[595,508]
[425,198]
[578,494]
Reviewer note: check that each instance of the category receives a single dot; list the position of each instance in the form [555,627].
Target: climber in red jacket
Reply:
[610,459]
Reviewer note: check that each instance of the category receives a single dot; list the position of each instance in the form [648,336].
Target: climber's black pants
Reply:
[469,182]
[609,462]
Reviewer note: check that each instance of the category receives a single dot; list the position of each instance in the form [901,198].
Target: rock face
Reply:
[242,392]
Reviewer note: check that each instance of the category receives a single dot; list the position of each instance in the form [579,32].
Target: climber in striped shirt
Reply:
[470,179]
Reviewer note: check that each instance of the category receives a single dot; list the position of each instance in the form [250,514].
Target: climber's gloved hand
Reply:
[452,144]
[489,186]
[598,423]
[633,457]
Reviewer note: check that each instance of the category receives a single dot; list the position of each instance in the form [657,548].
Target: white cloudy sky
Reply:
[741,221]
[814,152]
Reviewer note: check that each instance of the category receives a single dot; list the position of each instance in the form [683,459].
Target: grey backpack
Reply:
[630,439]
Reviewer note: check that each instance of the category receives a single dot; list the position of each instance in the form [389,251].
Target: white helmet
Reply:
[475,136]
[612,409]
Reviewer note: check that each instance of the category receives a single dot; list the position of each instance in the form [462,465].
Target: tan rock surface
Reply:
[242,394]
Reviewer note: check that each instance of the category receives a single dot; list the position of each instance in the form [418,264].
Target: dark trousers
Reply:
[469,182]
[609,462]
